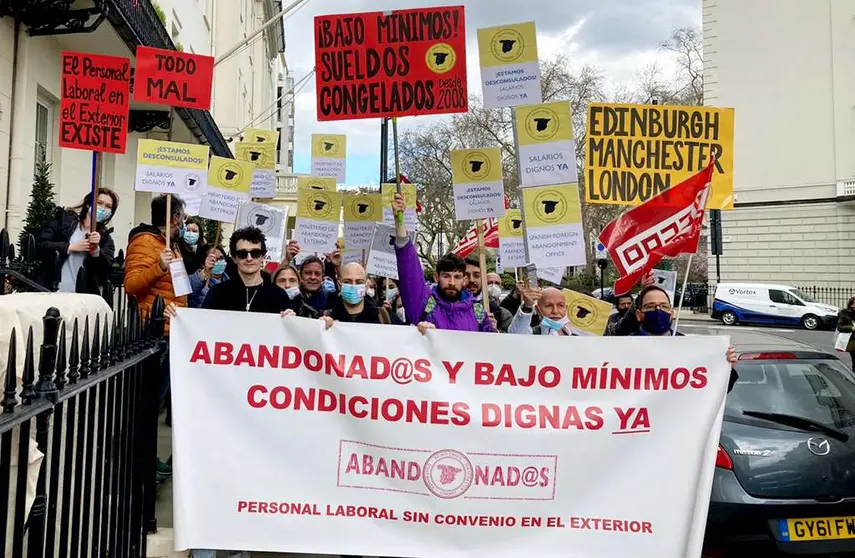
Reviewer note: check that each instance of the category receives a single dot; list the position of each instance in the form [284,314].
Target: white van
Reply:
[770,304]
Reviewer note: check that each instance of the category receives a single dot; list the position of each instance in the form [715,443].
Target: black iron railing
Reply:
[92,412]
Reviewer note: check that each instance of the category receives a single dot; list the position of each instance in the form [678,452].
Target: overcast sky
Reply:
[619,36]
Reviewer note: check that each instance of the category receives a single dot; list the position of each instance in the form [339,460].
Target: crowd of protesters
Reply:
[241,279]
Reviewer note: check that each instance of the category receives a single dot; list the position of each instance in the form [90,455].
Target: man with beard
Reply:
[473,285]
[552,308]
[446,306]
[623,305]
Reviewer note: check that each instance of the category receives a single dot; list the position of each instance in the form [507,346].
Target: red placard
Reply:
[95,102]
[169,77]
[385,64]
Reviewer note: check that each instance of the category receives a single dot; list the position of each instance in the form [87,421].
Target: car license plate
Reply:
[817,529]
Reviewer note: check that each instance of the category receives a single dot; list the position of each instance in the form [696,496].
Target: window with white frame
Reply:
[44,131]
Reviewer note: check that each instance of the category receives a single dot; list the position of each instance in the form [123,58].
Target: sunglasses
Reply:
[256,254]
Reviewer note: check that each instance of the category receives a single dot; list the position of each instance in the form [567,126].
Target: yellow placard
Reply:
[320,205]
[587,315]
[544,123]
[316,183]
[548,206]
[259,155]
[510,226]
[230,175]
[408,190]
[172,154]
[258,135]
[507,44]
[476,165]
[635,152]
[363,207]
[331,146]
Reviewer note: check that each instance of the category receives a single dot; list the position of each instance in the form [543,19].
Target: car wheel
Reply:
[810,322]
[728,318]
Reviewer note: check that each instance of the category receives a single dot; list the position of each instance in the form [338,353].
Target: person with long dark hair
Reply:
[197,245]
[66,244]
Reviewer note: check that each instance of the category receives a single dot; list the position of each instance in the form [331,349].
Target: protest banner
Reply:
[229,182]
[318,217]
[587,315]
[171,168]
[390,64]
[446,444]
[258,135]
[554,225]
[411,219]
[636,152]
[552,274]
[547,147]
[479,188]
[95,102]
[667,281]
[268,219]
[329,156]
[262,156]
[316,183]
[511,241]
[169,77]
[361,212]
[510,70]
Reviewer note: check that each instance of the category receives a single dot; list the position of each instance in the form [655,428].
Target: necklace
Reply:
[249,299]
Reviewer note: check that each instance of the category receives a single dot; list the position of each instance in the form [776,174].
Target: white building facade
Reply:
[786,66]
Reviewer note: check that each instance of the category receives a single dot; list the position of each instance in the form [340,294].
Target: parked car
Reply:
[785,471]
[770,304]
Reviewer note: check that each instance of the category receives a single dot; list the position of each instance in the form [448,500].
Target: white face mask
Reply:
[401,314]
[369,292]
[494,291]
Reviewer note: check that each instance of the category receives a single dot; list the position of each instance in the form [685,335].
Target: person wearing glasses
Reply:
[249,291]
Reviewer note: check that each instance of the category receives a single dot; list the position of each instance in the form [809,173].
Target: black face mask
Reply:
[623,312]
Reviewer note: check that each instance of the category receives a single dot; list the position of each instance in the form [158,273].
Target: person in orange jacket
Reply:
[147,263]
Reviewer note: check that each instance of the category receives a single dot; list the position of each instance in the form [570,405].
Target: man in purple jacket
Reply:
[446,306]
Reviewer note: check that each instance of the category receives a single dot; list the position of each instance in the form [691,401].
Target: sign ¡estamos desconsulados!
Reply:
[390,64]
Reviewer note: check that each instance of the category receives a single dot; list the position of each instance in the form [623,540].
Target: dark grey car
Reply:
[785,471]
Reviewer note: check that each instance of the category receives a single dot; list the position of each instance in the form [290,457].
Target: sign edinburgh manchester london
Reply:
[385,64]
[95,102]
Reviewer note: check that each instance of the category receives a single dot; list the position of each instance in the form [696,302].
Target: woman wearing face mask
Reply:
[197,246]
[398,315]
[70,236]
[287,279]
[213,272]
[390,292]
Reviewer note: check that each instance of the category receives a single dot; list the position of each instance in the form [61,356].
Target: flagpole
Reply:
[683,293]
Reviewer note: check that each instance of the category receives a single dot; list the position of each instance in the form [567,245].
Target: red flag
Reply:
[665,226]
[469,243]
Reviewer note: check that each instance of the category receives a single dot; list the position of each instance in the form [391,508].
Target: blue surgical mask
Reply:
[219,267]
[191,237]
[328,286]
[353,294]
[102,214]
[292,292]
[391,294]
[553,325]
[656,322]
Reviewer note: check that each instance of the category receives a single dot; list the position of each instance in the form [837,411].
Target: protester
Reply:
[312,288]
[213,273]
[446,306]
[494,288]
[249,291]
[65,245]
[623,303]
[287,279]
[845,322]
[371,288]
[552,308]
[147,263]
[396,312]
[388,291]
[352,305]
[197,245]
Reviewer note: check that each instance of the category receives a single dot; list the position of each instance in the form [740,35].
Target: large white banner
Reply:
[378,441]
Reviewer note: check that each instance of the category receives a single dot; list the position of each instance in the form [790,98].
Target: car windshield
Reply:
[815,389]
[803,296]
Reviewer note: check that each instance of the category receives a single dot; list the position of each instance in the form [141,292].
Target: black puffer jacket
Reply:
[53,239]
